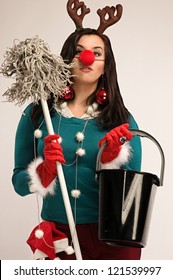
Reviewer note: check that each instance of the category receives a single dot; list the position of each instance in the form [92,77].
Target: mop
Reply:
[39,75]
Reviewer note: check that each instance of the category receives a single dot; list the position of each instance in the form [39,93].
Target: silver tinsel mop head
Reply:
[37,72]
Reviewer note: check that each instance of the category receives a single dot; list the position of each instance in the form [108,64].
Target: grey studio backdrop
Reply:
[143,46]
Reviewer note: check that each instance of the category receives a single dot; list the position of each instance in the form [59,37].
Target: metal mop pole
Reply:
[63,185]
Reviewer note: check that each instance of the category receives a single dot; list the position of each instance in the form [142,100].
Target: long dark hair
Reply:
[114,112]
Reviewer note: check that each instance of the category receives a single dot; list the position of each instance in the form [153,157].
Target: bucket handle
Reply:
[141,133]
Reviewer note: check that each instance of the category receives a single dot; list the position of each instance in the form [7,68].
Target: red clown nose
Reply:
[87,57]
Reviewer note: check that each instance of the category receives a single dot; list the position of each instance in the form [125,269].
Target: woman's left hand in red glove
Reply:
[115,138]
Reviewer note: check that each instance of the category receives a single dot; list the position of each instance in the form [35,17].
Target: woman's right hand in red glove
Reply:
[53,153]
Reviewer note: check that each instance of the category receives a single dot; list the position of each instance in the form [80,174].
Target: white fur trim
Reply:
[60,140]
[122,158]
[57,258]
[39,254]
[35,182]
[62,245]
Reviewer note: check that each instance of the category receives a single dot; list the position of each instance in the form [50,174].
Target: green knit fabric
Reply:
[53,206]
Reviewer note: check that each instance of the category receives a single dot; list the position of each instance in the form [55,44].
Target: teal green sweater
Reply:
[87,204]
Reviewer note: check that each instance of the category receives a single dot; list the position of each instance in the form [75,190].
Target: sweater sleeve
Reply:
[23,153]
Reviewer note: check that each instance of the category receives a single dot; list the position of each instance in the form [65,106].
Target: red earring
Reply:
[102,95]
[67,93]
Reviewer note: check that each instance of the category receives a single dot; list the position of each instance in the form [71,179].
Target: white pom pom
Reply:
[80,136]
[69,250]
[95,106]
[90,110]
[80,152]
[63,105]
[37,133]
[75,193]
[39,233]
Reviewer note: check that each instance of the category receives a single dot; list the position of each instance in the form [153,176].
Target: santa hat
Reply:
[46,240]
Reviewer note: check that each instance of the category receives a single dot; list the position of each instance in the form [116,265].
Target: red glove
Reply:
[47,170]
[115,139]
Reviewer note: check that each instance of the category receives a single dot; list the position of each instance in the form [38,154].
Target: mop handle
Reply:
[63,185]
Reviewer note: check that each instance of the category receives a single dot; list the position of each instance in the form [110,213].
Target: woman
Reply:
[91,111]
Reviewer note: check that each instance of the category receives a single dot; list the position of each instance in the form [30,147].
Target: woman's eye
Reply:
[97,54]
[78,52]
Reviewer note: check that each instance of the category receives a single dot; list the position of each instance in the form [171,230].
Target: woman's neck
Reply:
[83,91]
[78,106]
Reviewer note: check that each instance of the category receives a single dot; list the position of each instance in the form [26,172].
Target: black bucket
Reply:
[126,200]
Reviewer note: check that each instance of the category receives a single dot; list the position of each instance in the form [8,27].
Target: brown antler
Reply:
[105,23]
[73,7]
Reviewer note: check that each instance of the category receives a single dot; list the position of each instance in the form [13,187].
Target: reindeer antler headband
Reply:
[74,6]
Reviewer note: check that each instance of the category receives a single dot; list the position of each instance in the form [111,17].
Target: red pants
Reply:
[93,249]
